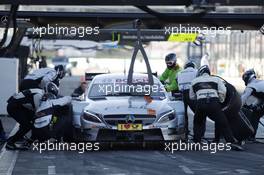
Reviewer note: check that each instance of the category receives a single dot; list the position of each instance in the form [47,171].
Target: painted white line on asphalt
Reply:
[51,170]
[8,158]
[13,163]
[186,170]
[160,154]
[48,157]
[201,169]
[242,171]
[223,172]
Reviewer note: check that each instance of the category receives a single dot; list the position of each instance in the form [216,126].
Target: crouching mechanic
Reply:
[81,89]
[253,97]
[21,106]
[184,80]
[41,77]
[52,118]
[170,73]
[209,92]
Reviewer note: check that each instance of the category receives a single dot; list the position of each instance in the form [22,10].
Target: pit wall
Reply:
[9,81]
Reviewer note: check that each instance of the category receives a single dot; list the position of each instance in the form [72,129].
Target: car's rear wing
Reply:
[90,76]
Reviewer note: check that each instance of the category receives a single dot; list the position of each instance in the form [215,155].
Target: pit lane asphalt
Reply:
[131,161]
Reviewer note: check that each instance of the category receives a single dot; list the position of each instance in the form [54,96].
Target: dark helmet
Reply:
[60,71]
[171,60]
[248,76]
[190,64]
[202,70]
[52,88]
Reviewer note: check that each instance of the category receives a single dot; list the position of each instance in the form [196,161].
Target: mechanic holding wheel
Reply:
[171,73]
[254,88]
[209,92]
[41,77]
[21,106]
[52,118]
[184,80]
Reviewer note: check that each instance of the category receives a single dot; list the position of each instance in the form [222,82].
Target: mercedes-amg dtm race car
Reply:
[112,110]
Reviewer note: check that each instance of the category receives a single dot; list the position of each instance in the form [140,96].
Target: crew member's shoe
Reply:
[236,147]
[27,144]
[13,146]
[252,139]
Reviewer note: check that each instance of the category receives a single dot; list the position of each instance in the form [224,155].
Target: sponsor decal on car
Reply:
[129,127]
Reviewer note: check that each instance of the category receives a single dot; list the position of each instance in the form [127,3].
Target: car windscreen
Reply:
[104,90]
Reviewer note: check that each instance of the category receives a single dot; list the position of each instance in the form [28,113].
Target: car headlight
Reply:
[91,117]
[167,116]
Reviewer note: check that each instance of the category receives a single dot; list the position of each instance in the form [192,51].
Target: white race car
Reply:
[112,110]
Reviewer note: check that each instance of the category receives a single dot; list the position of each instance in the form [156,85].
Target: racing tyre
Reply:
[252,117]
[241,126]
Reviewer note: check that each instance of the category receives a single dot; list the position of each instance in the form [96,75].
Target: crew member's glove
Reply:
[250,107]
[257,108]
